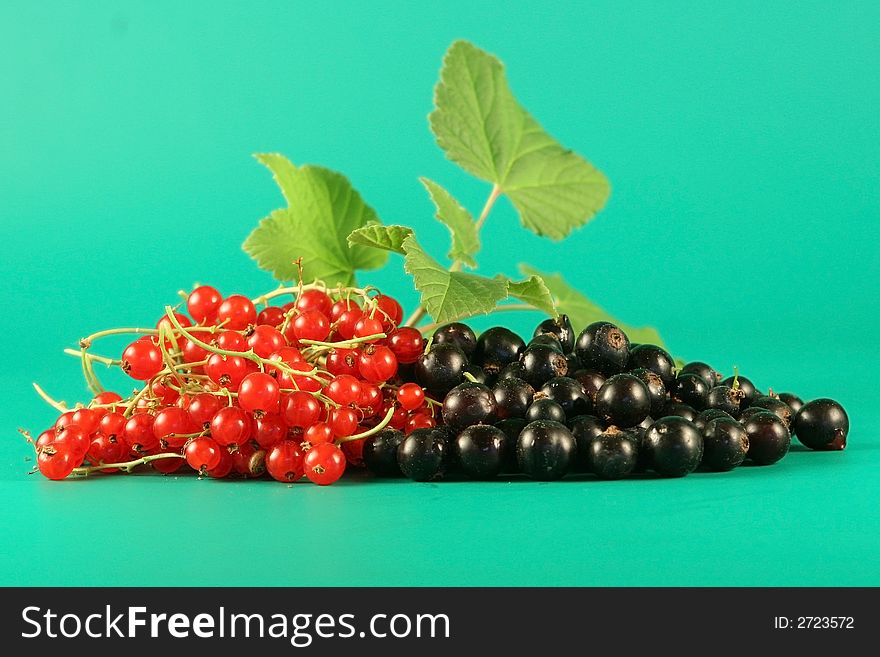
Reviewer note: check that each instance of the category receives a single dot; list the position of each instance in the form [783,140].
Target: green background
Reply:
[742,142]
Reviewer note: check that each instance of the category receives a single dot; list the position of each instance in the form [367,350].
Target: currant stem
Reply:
[369,432]
[104,360]
[298,289]
[344,343]
[57,405]
[127,466]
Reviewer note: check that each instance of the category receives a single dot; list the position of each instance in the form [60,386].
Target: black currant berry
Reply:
[548,340]
[574,363]
[652,358]
[441,369]
[822,424]
[458,334]
[496,347]
[705,417]
[480,451]
[512,371]
[623,400]
[613,454]
[677,409]
[559,327]
[545,409]
[541,363]
[725,444]
[690,389]
[746,413]
[726,399]
[776,406]
[708,373]
[674,446]
[639,431]
[380,452]
[584,428]
[468,404]
[748,389]
[424,455]
[512,397]
[569,394]
[769,438]
[545,450]
[511,427]
[794,402]
[480,375]
[656,388]
[603,347]
[591,382]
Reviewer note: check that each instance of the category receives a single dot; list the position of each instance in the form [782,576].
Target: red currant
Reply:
[271,316]
[106,449]
[77,440]
[354,452]
[142,359]
[202,454]
[419,421]
[236,312]
[183,320]
[367,326]
[222,469]
[106,399]
[164,393]
[410,396]
[307,383]
[370,400]
[311,325]
[301,409]
[167,466]
[138,433]
[314,300]
[377,363]
[226,371]
[231,341]
[391,312]
[399,419]
[259,393]
[320,432]
[340,307]
[342,421]
[324,464]
[56,461]
[202,304]
[342,361]
[193,353]
[407,344]
[284,461]
[45,438]
[64,419]
[112,425]
[247,456]
[269,430]
[203,407]
[172,424]
[231,427]
[343,389]
[347,321]
[266,340]
[88,419]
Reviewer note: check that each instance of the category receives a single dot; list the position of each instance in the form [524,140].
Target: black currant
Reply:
[776,406]
[748,389]
[706,416]
[458,334]
[674,446]
[794,402]
[559,327]
[424,454]
[545,450]
[541,363]
[769,438]
[380,452]
[653,358]
[441,369]
[677,409]
[822,424]
[545,409]
[480,451]
[584,428]
[511,427]
[656,388]
[604,347]
[512,397]
[639,431]
[512,371]
[725,398]
[574,363]
[496,347]
[690,389]
[480,375]
[725,444]
[591,382]
[613,453]
[569,394]
[746,413]
[468,404]
[623,400]
[546,339]
[708,373]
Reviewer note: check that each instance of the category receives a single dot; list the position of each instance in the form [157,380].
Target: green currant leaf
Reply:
[448,296]
[323,210]
[465,238]
[482,127]
[377,236]
[534,292]
[283,171]
[581,311]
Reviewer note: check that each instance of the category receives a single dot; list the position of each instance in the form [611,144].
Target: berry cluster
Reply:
[589,402]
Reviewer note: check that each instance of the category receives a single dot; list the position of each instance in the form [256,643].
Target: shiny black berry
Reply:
[706,416]
[480,451]
[822,424]
[574,363]
[613,453]
[548,340]
[725,444]
[512,397]
[677,409]
[584,428]
[545,450]
[541,363]
[748,389]
[496,347]
[746,413]
[424,455]
[511,428]
[726,399]
[441,369]
[604,347]
[623,400]
[769,438]
[656,388]
[458,334]
[468,404]
[674,446]
[591,382]
[653,358]
[794,402]
[708,373]
[480,375]
[776,406]
[380,452]
[568,393]
[690,389]
[512,371]
[561,328]
[545,409]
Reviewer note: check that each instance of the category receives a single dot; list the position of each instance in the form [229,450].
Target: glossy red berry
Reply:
[87,419]
[407,344]
[342,421]
[320,432]
[106,449]
[370,399]
[343,389]
[76,439]
[314,300]
[347,322]
[390,312]
[410,396]
[324,464]
[231,426]
[173,425]
[340,307]
[193,353]
[269,430]
[203,407]
[56,461]
[138,433]
[419,421]
[259,393]
[311,325]
[202,304]
[224,467]
[301,409]
[307,383]
[142,359]
[231,341]
[164,321]
[112,425]
[64,419]
[266,340]
[106,398]
[202,454]
[367,326]
[377,363]
[342,361]
[270,316]
[284,461]
[236,313]
[226,371]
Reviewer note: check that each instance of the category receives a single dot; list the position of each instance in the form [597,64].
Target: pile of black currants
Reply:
[593,402]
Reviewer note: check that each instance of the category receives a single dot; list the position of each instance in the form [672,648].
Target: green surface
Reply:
[742,143]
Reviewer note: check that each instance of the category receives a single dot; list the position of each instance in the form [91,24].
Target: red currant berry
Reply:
[269,430]
[106,449]
[399,419]
[106,399]
[231,341]
[266,340]
[342,361]
[142,359]
[226,371]
[419,421]
[343,389]
[76,439]
[311,325]
[324,464]
[390,312]
[202,304]
[367,326]
[320,432]
[56,461]
[222,469]
[112,425]
[377,363]
[45,438]
[370,400]
[231,427]
[183,320]
[284,461]
[193,353]
[347,321]
[236,313]
[64,419]
[354,451]
[307,383]
[410,396]
[203,407]
[271,316]
[88,419]
[259,393]
[138,433]
[314,300]
[165,394]
[301,409]
[167,465]
[172,425]
[242,460]
[202,454]
[407,344]
[342,421]
[340,307]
